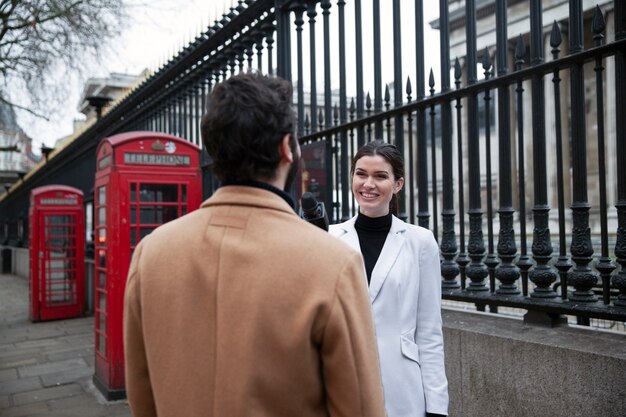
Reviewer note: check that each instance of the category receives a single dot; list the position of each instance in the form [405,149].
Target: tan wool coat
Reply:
[241,308]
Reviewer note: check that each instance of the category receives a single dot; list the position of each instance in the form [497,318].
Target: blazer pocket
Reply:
[409,348]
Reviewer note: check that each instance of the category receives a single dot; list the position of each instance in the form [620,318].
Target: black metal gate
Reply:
[518,152]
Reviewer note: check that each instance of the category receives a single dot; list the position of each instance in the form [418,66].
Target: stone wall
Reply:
[498,366]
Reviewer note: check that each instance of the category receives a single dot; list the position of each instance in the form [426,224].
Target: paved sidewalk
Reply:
[46,368]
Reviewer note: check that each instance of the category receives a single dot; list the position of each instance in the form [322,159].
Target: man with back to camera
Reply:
[241,308]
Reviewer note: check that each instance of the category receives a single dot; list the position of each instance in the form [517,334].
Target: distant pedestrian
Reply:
[241,308]
[404,279]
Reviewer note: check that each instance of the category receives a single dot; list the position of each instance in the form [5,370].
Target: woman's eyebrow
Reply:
[361,170]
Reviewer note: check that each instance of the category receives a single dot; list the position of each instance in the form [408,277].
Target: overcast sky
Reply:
[159,29]
[162,27]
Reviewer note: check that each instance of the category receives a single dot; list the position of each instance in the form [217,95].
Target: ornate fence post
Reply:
[543,276]
[619,280]
[491,260]
[312,13]
[604,265]
[581,277]
[283,38]
[562,264]
[298,8]
[462,259]
[476,270]
[449,268]
[523,263]
[507,273]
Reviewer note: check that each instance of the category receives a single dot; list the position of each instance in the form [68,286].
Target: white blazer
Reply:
[405,292]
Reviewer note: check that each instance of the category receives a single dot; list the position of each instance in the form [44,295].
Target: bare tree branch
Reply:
[26,109]
[37,37]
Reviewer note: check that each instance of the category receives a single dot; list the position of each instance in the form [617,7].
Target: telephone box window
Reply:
[102,344]
[102,195]
[158,214]
[60,274]
[102,258]
[102,218]
[100,272]
[101,324]
[158,193]
[144,231]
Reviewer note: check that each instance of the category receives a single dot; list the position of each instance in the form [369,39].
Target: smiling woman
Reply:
[403,271]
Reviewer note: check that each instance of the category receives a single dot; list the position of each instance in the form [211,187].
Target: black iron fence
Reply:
[498,166]
[489,256]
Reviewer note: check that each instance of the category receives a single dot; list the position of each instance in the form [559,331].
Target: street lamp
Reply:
[45,151]
[98,102]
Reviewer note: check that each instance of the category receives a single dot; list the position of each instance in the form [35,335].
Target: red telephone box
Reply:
[57,253]
[143,179]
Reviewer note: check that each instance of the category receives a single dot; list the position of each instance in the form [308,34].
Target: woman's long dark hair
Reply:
[392,155]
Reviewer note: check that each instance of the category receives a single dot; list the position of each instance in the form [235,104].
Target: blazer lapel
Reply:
[349,234]
[387,257]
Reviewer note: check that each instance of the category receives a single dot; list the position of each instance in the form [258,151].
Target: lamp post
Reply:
[98,103]
[45,151]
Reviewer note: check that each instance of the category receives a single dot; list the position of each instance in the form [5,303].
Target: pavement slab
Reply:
[8,374]
[51,367]
[29,410]
[50,393]
[46,368]
[20,385]
[65,377]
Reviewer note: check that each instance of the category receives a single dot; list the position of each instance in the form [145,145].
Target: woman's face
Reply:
[373,185]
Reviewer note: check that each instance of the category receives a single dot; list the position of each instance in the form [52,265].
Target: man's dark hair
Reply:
[246,118]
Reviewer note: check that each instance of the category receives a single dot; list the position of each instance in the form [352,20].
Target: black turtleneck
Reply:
[372,233]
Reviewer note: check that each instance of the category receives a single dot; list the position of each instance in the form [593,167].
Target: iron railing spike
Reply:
[555,35]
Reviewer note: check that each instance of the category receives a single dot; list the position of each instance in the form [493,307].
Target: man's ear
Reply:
[285,149]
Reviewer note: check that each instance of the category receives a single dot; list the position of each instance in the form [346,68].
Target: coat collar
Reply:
[388,255]
[240,195]
[264,185]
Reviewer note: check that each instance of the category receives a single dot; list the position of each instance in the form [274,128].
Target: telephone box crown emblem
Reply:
[158,146]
